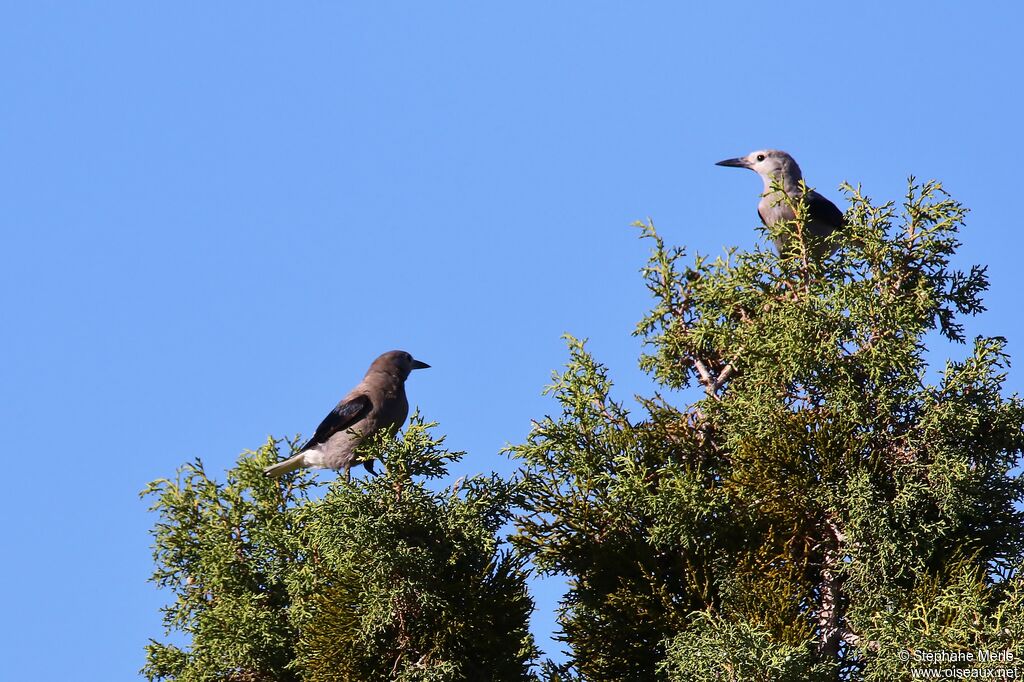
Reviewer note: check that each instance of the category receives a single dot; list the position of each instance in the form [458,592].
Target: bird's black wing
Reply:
[340,418]
[820,209]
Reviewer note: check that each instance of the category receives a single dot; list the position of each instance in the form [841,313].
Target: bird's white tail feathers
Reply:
[281,468]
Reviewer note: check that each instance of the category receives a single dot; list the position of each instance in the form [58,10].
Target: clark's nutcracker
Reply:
[823,218]
[378,402]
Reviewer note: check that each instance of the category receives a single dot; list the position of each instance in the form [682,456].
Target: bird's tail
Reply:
[281,468]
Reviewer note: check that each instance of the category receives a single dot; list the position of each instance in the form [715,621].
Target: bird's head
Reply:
[768,163]
[397,363]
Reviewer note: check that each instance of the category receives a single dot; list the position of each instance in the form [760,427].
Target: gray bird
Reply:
[774,166]
[377,402]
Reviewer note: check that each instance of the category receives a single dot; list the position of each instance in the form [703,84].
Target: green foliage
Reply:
[819,503]
[711,649]
[417,587]
[798,518]
[960,609]
[382,579]
[225,551]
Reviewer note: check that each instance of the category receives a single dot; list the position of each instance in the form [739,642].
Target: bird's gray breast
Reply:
[774,208]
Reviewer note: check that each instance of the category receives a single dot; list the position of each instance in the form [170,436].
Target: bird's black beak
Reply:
[416,364]
[741,162]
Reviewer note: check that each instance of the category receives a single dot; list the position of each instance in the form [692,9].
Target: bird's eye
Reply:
[760,157]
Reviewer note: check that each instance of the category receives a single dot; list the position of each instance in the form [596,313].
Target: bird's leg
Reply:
[348,474]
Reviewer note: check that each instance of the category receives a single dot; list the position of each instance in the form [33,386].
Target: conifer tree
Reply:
[381,579]
[807,495]
[828,505]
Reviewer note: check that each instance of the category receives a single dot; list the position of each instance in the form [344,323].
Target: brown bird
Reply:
[377,402]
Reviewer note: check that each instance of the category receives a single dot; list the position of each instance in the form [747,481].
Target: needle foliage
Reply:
[379,579]
[819,500]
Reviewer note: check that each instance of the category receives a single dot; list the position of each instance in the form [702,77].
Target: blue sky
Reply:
[216,214]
